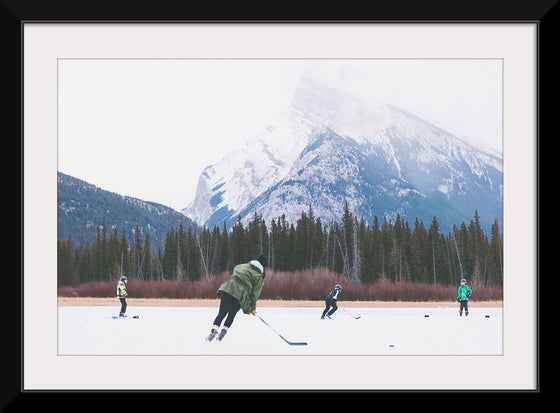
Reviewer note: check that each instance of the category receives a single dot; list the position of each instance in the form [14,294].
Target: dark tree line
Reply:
[387,249]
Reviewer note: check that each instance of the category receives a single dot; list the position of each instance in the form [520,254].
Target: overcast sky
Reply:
[147,127]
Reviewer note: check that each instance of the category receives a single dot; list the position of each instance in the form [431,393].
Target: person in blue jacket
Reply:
[330,302]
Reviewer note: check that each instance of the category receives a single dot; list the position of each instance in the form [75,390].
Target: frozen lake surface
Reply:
[378,331]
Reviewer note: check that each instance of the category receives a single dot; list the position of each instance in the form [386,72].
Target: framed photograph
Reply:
[98,94]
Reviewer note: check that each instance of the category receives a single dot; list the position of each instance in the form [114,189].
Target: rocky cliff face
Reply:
[333,146]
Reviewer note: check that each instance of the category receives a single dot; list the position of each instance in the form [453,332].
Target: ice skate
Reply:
[212,334]
[222,334]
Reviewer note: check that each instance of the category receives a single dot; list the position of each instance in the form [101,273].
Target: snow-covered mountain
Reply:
[332,146]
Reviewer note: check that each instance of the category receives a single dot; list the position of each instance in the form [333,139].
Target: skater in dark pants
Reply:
[463,294]
[331,302]
[121,294]
[241,291]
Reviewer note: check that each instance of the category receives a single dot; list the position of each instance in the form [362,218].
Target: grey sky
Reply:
[147,127]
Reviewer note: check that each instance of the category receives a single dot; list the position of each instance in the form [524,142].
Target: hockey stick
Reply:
[354,317]
[448,305]
[291,343]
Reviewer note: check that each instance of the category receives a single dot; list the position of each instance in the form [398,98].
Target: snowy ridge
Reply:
[333,145]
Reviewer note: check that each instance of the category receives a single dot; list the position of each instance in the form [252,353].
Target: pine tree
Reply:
[137,253]
[496,266]
[83,262]
[256,237]
[346,243]
[301,246]
[356,270]
[318,245]
[215,241]
[282,258]
[238,246]
[377,250]
[97,256]
[169,259]
[387,246]
[368,256]
[192,262]
[66,274]
[225,264]
[105,270]
[454,234]
[124,267]
[146,265]
[438,253]
[418,242]
[291,262]
[477,251]
[112,254]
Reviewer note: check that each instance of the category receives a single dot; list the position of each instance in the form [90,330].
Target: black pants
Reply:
[229,306]
[330,305]
[465,305]
[123,305]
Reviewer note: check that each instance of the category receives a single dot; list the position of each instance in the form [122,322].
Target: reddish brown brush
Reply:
[312,284]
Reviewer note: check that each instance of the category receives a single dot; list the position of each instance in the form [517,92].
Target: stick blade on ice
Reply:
[291,343]
[295,343]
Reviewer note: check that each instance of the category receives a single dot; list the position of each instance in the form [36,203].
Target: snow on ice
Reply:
[378,331]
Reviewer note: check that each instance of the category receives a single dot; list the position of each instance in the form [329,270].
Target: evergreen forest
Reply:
[392,250]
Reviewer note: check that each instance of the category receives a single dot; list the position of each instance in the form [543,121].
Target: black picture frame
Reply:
[15,13]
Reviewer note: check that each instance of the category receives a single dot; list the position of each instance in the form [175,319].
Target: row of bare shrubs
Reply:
[312,284]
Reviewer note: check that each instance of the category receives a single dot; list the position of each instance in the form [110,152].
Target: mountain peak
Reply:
[378,157]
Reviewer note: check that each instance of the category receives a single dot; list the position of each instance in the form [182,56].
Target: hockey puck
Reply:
[391,345]
[487,316]
[426,315]
[136,316]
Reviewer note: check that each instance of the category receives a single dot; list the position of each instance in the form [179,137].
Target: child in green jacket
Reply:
[241,291]
[463,294]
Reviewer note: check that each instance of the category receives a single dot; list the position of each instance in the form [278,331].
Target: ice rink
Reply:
[379,331]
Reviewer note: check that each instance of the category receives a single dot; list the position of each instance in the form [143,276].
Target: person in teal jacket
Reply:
[241,291]
[463,294]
